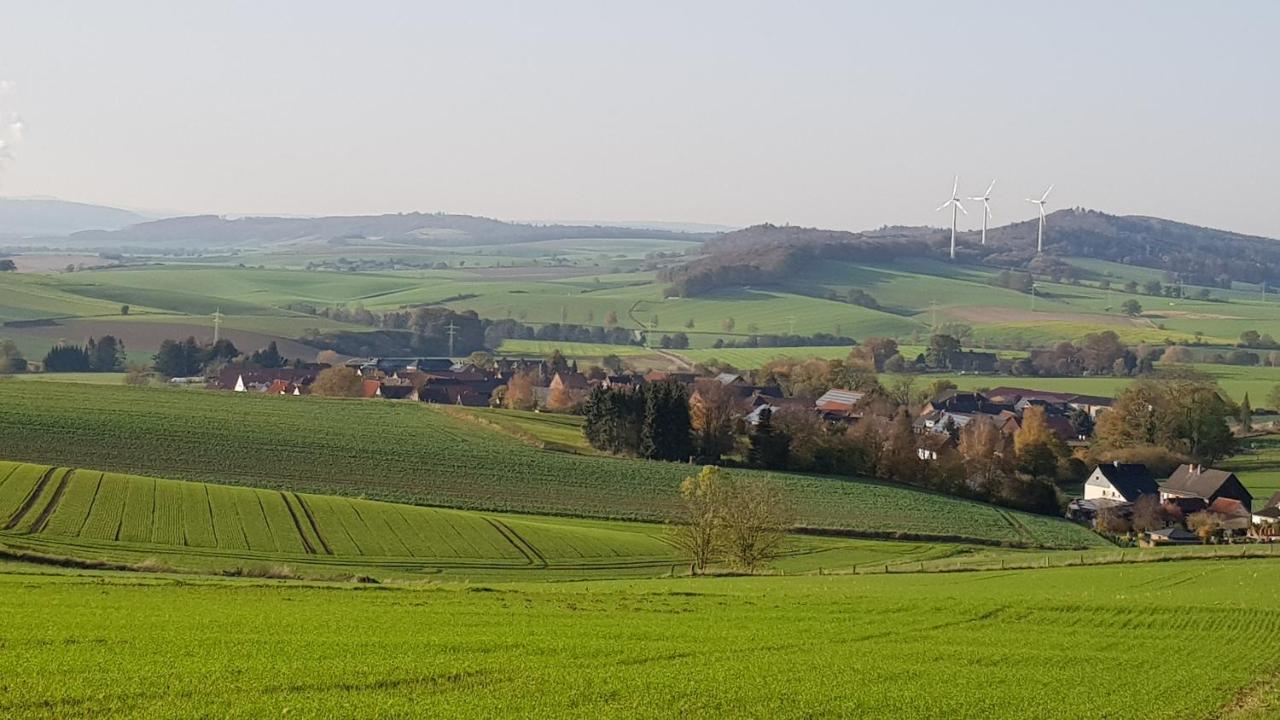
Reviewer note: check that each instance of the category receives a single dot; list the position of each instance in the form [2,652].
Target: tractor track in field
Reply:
[40,523]
[30,500]
[297,524]
[311,520]
[524,547]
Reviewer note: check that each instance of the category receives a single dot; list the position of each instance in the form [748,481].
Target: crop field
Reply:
[1000,646]
[82,511]
[915,293]
[412,453]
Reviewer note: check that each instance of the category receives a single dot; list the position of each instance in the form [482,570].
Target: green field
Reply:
[996,646]
[1236,381]
[85,512]
[916,294]
[410,452]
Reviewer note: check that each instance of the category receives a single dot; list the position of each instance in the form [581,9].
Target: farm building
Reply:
[1123,482]
[1205,485]
[837,403]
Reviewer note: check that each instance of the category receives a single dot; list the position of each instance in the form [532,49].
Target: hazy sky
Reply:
[847,115]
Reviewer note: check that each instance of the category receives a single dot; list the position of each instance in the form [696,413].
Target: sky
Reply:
[846,115]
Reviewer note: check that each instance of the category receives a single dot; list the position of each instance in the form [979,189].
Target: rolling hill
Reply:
[411,453]
[405,230]
[41,217]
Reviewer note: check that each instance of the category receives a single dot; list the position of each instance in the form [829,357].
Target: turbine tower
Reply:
[954,203]
[985,199]
[1040,203]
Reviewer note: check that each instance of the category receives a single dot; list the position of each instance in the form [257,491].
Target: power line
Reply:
[453,331]
[217,323]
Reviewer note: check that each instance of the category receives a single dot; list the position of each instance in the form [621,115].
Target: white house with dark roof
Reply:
[1122,482]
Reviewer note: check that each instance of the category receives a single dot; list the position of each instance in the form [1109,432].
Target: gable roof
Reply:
[1197,481]
[1272,512]
[1274,501]
[1229,507]
[1131,480]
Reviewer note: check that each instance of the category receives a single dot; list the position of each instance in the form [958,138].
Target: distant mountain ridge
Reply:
[403,229]
[35,217]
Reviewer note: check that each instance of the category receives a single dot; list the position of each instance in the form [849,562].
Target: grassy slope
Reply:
[991,645]
[408,452]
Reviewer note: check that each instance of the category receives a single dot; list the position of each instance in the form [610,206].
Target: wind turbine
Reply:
[1040,203]
[985,199]
[954,203]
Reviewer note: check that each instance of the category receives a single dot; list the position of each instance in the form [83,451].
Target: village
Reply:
[1127,501]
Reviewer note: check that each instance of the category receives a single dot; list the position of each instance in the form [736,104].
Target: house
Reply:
[1172,536]
[1267,520]
[1124,482]
[569,381]
[973,361]
[370,388]
[283,387]
[730,379]
[1196,482]
[838,402]
[1233,515]
[1090,404]
[242,379]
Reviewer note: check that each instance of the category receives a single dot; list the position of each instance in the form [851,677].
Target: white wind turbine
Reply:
[954,203]
[985,199]
[1040,203]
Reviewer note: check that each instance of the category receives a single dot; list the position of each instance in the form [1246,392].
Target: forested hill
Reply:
[763,254]
[1201,255]
[434,229]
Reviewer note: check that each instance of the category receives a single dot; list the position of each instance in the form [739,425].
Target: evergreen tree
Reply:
[1246,414]
[268,358]
[179,358]
[106,354]
[770,447]
[666,432]
[67,358]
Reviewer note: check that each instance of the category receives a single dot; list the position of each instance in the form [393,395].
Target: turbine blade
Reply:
[943,206]
[1046,194]
[1032,201]
[990,187]
[957,202]
[955,186]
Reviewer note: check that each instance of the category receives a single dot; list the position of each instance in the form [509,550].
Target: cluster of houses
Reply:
[940,420]
[1117,487]
[433,380]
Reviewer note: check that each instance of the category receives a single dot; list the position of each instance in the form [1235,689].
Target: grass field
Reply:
[409,452]
[1234,380]
[995,645]
[916,294]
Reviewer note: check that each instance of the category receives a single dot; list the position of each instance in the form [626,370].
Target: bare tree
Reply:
[1205,524]
[754,522]
[1149,514]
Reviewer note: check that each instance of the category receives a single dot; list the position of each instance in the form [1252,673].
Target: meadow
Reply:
[413,453]
[1012,645]
[576,283]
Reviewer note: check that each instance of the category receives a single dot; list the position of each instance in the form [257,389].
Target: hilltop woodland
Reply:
[768,254]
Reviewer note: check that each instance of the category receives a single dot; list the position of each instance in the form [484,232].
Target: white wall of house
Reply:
[1098,487]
